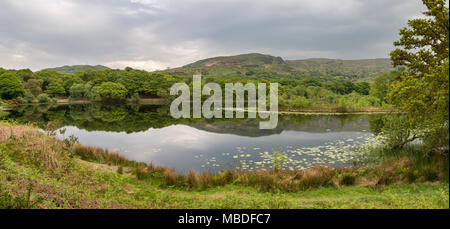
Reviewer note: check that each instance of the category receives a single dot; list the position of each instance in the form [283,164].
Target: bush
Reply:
[301,102]
[348,178]
[120,169]
[21,100]
[77,90]
[135,98]
[22,201]
[44,98]
[171,178]
[27,98]
[192,179]
[10,86]
[112,91]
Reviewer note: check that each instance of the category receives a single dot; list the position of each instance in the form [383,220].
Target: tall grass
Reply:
[103,156]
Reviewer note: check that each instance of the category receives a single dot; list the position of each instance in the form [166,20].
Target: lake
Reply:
[149,134]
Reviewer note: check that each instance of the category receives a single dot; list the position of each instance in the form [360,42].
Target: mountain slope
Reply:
[77,68]
[336,67]
[255,64]
[229,66]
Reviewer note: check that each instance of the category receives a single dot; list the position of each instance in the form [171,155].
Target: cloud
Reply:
[155,34]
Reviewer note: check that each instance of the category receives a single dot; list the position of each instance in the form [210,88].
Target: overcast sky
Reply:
[156,34]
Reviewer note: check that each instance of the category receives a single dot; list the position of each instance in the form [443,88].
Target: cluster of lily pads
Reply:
[335,154]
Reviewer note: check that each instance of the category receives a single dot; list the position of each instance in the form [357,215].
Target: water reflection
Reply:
[150,134]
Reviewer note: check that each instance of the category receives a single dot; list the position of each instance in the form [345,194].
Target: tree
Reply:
[48,76]
[423,90]
[34,86]
[10,86]
[55,88]
[425,42]
[112,91]
[362,88]
[25,74]
[77,90]
[425,98]
[70,81]
[380,86]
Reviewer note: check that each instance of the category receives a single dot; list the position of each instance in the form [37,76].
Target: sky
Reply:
[158,34]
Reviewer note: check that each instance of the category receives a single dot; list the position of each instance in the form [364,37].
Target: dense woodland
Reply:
[26,86]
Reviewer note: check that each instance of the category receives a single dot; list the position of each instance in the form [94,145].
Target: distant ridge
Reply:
[254,63]
[335,67]
[76,68]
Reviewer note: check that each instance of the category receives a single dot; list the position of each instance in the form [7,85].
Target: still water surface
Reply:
[149,134]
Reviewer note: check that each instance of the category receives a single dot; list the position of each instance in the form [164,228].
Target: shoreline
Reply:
[98,178]
[283,110]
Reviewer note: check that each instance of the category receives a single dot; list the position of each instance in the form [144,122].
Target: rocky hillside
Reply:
[255,65]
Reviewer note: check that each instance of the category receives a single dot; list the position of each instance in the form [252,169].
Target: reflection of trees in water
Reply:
[135,118]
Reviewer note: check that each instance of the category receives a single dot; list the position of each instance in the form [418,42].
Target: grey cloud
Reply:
[157,34]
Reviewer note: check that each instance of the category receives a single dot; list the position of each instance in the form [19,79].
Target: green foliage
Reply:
[300,102]
[362,88]
[278,160]
[396,132]
[77,68]
[112,91]
[70,81]
[55,88]
[77,90]
[44,98]
[425,42]
[356,100]
[10,86]
[426,98]
[29,97]
[135,98]
[380,86]
[22,201]
[25,74]
[34,86]
[423,90]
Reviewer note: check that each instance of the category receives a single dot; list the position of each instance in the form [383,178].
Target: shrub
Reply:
[120,169]
[29,97]
[192,179]
[43,98]
[135,98]
[301,102]
[77,90]
[171,178]
[315,177]
[430,174]
[112,91]
[8,201]
[348,178]
[140,172]
[10,86]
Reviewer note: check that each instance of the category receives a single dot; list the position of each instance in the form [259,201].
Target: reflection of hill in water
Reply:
[246,127]
[306,123]
[96,117]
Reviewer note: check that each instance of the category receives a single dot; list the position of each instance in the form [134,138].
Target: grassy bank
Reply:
[38,171]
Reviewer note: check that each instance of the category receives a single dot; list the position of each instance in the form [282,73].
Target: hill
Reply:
[76,68]
[231,66]
[365,68]
[261,65]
